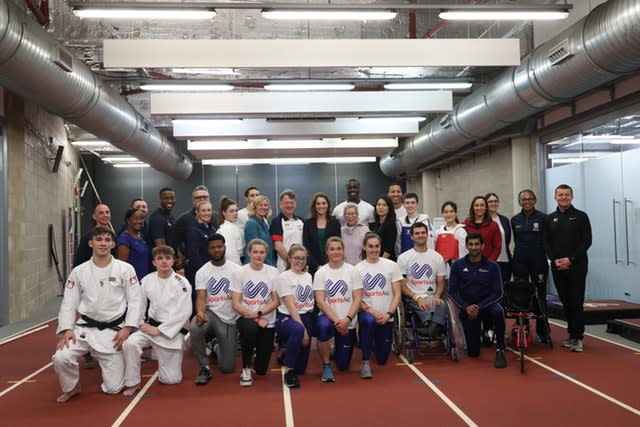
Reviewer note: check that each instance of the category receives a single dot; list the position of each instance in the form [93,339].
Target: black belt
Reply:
[93,323]
[154,322]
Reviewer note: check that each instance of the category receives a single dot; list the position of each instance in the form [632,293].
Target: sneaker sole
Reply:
[577,350]
[328,380]
[246,384]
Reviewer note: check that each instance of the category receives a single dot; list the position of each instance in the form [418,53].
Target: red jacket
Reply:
[490,233]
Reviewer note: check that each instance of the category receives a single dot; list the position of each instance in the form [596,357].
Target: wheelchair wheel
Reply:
[399,334]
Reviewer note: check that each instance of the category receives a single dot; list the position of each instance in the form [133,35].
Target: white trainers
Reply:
[365,370]
[246,380]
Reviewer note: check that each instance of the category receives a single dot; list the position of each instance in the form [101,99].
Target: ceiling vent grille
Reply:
[559,52]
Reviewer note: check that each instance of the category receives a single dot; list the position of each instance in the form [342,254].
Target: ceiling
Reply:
[84,37]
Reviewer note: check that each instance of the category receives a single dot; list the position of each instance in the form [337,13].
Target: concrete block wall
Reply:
[37,197]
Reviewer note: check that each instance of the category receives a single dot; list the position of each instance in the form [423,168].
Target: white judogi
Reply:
[170,304]
[338,285]
[102,294]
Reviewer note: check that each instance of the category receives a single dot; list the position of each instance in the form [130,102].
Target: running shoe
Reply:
[246,380]
[501,360]
[365,370]
[204,376]
[327,374]
[577,346]
[568,343]
[291,379]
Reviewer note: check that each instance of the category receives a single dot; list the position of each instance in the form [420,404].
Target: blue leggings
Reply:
[374,337]
[344,343]
[292,332]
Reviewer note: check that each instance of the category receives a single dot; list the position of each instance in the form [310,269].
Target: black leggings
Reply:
[253,337]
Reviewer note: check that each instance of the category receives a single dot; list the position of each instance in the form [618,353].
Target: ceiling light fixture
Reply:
[308,87]
[289,161]
[120,159]
[140,11]
[130,165]
[91,143]
[478,14]
[263,144]
[427,86]
[333,15]
[186,88]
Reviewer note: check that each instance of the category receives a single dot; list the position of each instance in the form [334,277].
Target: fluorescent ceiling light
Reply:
[427,86]
[208,71]
[333,15]
[91,143]
[180,13]
[607,137]
[416,119]
[186,88]
[130,165]
[120,159]
[289,161]
[307,87]
[292,144]
[502,15]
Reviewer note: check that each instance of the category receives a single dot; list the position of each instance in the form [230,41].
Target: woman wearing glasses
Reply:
[338,293]
[293,320]
[381,282]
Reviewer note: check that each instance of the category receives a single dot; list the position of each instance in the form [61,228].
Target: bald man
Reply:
[102,217]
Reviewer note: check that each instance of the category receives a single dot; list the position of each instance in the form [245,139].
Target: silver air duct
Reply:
[597,49]
[36,67]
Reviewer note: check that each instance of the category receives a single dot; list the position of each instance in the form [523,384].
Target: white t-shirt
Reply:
[376,282]
[300,286]
[243,217]
[503,257]
[216,280]
[421,270]
[234,241]
[256,287]
[365,212]
[338,285]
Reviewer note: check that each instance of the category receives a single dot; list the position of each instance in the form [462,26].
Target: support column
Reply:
[524,165]
[429,196]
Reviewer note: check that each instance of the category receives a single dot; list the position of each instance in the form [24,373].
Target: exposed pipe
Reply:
[38,68]
[597,49]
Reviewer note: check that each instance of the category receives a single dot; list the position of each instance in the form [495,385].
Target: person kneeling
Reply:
[475,286]
[169,298]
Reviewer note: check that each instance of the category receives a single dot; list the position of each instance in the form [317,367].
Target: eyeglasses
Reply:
[527,199]
[299,258]
[204,197]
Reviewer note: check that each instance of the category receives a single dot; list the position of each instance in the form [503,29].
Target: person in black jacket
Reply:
[317,229]
[385,226]
[567,236]
[529,260]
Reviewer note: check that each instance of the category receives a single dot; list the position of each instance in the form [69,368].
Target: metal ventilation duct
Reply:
[36,67]
[597,49]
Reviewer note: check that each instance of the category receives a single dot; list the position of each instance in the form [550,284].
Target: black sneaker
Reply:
[282,358]
[501,360]
[544,339]
[204,376]
[291,379]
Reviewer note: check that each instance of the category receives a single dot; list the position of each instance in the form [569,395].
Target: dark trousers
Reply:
[292,332]
[253,337]
[492,313]
[571,287]
[374,337]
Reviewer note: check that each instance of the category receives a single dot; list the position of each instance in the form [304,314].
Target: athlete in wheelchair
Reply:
[424,316]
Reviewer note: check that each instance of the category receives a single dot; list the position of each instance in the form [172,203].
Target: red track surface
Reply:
[395,396]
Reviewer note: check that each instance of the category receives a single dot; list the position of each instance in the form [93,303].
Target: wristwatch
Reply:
[390,314]
[259,313]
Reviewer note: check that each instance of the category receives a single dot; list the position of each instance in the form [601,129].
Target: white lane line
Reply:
[25,379]
[440,394]
[581,384]
[602,339]
[135,401]
[27,331]
[288,407]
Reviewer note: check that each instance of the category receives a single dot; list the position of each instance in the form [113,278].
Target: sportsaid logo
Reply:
[303,293]
[252,290]
[337,291]
[417,270]
[371,282]
[218,290]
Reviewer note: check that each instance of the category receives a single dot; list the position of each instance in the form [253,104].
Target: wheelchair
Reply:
[409,337]
[521,302]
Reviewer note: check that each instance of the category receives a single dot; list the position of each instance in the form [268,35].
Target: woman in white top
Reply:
[338,293]
[293,320]
[233,234]
[382,289]
[254,298]
[450,237]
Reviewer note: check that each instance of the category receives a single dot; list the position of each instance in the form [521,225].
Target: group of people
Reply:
[349,268]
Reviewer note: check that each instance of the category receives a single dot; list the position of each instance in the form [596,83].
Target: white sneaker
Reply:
[245,378]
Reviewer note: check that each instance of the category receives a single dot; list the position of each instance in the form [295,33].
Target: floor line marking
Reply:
[25,332]
[135,401]
[600,338]
[583,385]
[17,381]
[288,406]
[440,394]
[25,379]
